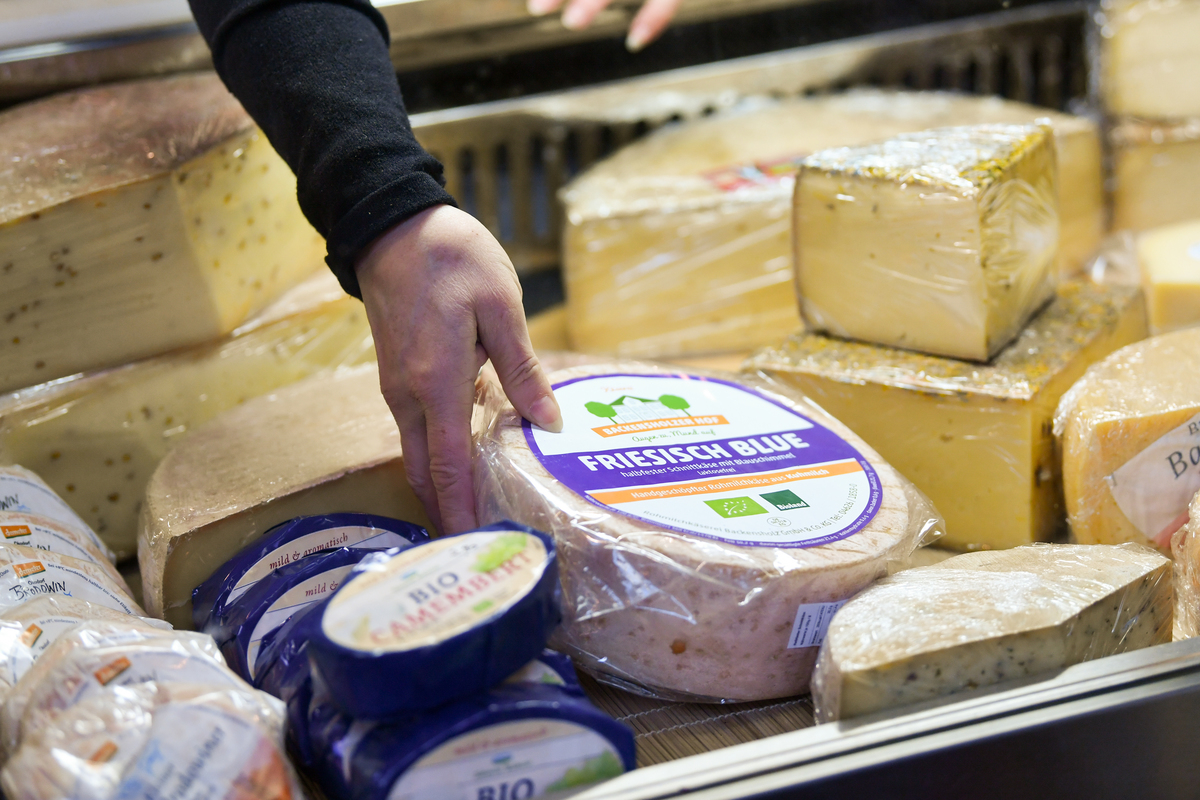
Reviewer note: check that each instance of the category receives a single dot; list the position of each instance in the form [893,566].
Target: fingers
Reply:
[542,7]
[650,22]
[416,463]
[448,434]
[581,13]
[505,337]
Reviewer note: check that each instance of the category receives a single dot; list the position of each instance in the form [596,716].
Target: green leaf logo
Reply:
[675,403]
[601,768]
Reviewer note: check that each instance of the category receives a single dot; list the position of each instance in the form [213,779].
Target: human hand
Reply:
[651,20]
[442,297]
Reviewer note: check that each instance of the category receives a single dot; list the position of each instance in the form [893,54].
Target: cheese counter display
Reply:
[97,438]
[1169,262]
[976,438]
[982,618]
[135,219]
[324,445]
[707,527]
[1154,165]
[681,243]
[1185,549]
[1149,58]
[1130,432]
[949,238]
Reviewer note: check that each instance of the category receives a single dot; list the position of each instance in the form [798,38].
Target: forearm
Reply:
[317,78]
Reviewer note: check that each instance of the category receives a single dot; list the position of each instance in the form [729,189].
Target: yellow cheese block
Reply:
[1149,57]
[136,219]
[96,439]
[942,241]
[327,444]
[680,244]
[1169,260]
[1156,167]
[1130,433]
[975,438]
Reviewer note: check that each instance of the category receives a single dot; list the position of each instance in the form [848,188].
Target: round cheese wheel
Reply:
[708,525]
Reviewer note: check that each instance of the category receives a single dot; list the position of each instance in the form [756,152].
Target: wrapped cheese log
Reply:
[706,528]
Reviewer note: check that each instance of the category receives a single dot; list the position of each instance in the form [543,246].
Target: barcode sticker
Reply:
[812,622]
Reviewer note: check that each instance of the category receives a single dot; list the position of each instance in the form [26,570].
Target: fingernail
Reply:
[635,41]
[546,414]
[539,8]
[574,18]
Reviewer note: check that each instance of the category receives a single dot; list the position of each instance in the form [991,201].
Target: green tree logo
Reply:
[675,403]
[603,410]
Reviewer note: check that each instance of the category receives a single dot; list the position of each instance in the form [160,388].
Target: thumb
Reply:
[506,340]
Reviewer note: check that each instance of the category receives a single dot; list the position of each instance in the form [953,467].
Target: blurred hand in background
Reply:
[651,20]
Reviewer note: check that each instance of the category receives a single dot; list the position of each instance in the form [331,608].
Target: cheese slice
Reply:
[135,219]
[680,244]
[97,439]
[705,524]
[161,740]
[942,241]
[1154,167]
[975,438]
[1169,260]
[983,618]
[1130,433]
[327,444]
[1149,59]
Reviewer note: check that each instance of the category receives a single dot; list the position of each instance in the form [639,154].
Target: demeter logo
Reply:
[15,531]
[735,507]
[629,414]
[28,568]
[111,670]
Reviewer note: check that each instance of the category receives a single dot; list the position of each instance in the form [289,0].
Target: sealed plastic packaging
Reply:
[97,438]
[42,533]
[159,740]
[983,618]
[32,627]
[1155,164]
[706,528]
[1148,57]
[454,617]
[135,219]
[942,241]
[23,491]
[1130,437]
[1185,549]
[328,444]
[1168,262]
[27,573]
[680,243]
[97,656]
[977,439]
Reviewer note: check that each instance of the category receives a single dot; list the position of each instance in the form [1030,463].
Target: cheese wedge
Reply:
[942,241]
[135,219]
[1154,167]
[1130,433]
[1169,260]
[975,438]
[983,618]
[327,444]
[97,439]
[680,244]
[1148,57]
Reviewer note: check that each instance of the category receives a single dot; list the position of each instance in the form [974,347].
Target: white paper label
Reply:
[24,531]
[27,580]
[812,623]
[299,596]
[511,761]
[19,654]
[159,665]
[1153,489]
[27,494]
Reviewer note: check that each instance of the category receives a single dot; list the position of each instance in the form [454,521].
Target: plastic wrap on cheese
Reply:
[1185,549]
[1130,437]
[96,438]
[1148,57]
[31,628]
[23,491]
[43,533]
[680,244]
[27,573]
[1168,261]
[942,241]
[983,618]
[159,740]
[705,526]
[977,439]
[1155,164]
[97,656]
[327,444]
[135,219]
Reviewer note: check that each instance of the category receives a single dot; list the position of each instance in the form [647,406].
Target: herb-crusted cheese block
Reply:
[1169,260]
[680,244]
[97,439]
[135,219]
[1155,164]
[977,439]
[981,618]
[942,241]
[1130,431]
[706,527]
[324,445]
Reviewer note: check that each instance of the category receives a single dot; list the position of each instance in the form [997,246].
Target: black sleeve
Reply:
[316,76]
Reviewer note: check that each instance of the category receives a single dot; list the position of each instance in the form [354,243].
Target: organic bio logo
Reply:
[15,531]
[31,635]
[629,414]
[29,568]
[731,507]
[111,670]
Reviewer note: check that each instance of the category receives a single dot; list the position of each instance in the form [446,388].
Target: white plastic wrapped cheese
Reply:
[43,533]
[22,491]
[983,618]
[706,528]
[159,741]
[99,655]
[27,573]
